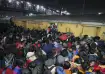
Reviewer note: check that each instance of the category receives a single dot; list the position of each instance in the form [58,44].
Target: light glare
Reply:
[21,1]
[67,13]
[9,1]
[29,4]
[57,10]
[30,14]
[17,2]
[37,7]
[99,13]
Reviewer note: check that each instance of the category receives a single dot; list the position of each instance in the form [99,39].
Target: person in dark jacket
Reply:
[48,47]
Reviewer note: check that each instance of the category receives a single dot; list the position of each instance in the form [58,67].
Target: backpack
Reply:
[60,70]
[48,71]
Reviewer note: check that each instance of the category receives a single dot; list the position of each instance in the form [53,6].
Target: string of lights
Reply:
[34,7]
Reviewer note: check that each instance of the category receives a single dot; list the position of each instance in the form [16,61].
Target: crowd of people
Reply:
[24,51]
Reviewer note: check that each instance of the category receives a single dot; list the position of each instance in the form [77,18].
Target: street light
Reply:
[9,1]
[37,7]
[21,1]
[17,2]
[30,14]
[57,11]
[29,4]
[6,16]
[34,5]
[99,13]
[42,7]
[67,13]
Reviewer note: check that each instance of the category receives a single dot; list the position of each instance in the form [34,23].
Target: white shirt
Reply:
[53,70]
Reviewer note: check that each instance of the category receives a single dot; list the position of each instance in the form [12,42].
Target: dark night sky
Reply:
[74,5]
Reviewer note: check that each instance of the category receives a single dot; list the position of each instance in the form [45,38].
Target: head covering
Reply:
[60,59]
[65,45]
[31,56]
[56,44]
[49,62]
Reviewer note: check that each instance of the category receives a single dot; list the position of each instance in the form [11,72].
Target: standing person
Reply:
[48,48]
[2,63]
[50,68]
[66,67]
[48,30]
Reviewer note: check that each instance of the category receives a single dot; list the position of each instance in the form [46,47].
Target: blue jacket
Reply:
[48,48]
[60,70]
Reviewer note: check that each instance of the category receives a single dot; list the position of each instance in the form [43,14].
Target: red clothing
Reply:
[1,70]
[36,44]
[69,44]
[27,63]
[103,70]
[96,68]
[9,71]
[63,37]
[19,45]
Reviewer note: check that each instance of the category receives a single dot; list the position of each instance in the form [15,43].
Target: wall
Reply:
[32,24]
[67,27]
[77,29]
[91,31]
[101,32]
[82,29]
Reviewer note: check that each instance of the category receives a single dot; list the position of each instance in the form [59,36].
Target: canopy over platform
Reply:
[93,20]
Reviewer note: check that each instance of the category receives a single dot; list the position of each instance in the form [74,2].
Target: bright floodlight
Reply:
[21,1]
[57,10]
[29,4]
[30,14]
[6,16]
[42,7]
[37,7]
[9,1]
[99,13]
[17,2]
[34,5]
[67,13]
